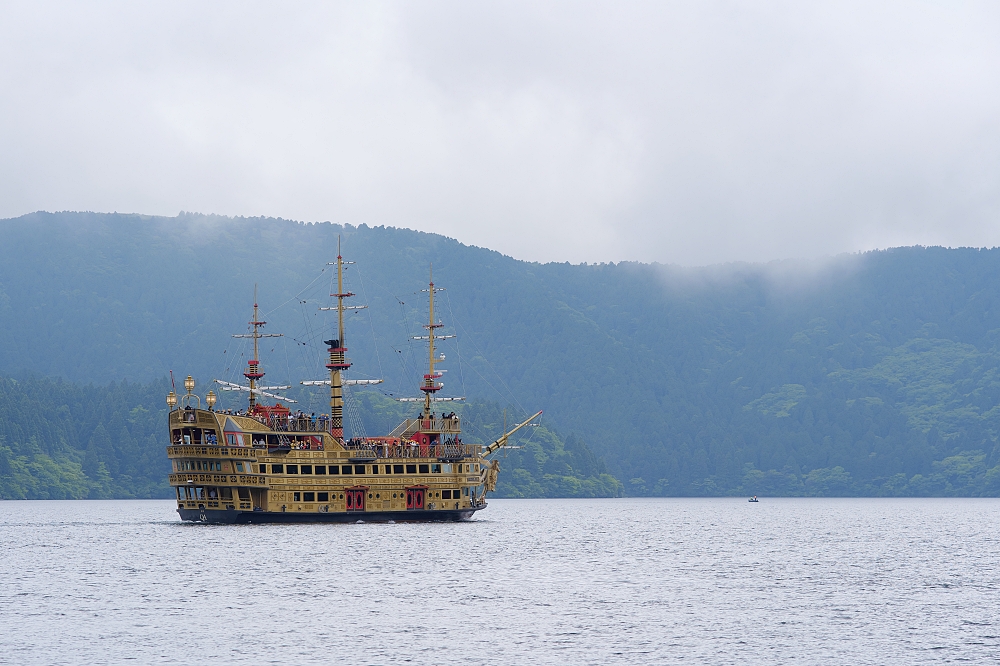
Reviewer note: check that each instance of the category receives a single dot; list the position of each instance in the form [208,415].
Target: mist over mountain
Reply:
[875,374]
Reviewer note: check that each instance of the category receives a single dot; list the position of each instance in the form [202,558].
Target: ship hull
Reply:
[230,516]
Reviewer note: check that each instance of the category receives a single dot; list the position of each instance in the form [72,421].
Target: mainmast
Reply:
[431,385]
[338,356]
[338,363]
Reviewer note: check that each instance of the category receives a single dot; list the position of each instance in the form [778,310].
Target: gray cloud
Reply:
[672,132]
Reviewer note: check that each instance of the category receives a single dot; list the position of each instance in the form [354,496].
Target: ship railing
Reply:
[295,423]
[387,447]
[410,426]
[189,450]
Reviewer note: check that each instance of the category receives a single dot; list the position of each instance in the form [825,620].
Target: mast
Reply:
[338,363]
[338,359]
[431,385]
[253,372]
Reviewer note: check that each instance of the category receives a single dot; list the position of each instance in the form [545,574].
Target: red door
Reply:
[355,499]
[415,499]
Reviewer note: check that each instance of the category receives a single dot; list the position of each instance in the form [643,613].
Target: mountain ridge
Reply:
[726,379]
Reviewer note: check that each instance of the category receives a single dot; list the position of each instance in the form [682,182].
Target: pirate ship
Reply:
[269,464]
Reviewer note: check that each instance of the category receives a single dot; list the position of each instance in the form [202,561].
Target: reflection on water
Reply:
[860,581]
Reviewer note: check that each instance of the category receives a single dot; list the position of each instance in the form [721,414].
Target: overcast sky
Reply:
[691,133]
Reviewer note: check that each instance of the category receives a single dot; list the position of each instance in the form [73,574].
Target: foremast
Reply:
[254,373]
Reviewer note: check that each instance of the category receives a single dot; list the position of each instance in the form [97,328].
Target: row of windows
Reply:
[200,493]
[205,466]
[228,494]
[200,466]
[435,468]
[431,468]
[325,497]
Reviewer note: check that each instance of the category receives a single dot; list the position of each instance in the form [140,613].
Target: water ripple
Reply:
[544,582]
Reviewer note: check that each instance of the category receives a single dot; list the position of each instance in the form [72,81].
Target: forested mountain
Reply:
[865,374]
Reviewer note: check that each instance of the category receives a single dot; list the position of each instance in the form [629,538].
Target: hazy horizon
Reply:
[781,268]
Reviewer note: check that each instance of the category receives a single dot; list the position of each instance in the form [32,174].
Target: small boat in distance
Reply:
[753,499]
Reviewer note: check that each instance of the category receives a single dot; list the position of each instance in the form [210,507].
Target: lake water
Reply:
[717,581]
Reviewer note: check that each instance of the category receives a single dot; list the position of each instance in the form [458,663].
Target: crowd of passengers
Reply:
[303,446]
[452,415]
[294,421]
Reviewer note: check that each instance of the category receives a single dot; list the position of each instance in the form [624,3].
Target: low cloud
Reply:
[689,133]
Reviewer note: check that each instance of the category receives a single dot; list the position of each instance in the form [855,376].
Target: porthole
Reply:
[341,495]
[394,496]
[377,496]
[369,495]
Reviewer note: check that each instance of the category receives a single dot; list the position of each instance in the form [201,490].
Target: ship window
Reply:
[291,469]
[447,469]
[308,497]
[307,469]
[411,469]
[374,469]
[321,469]
[334,469]
[341,495]
[465,491]
[397,469]
[424,469]
[296,497]
[198,465]
[359,469]
[239,467]
[394,496]
[445,494]
[180,493]
[277,469]
[323,497]
[244,494]
[436,468]
[477,468]
[199,492]
[346,469]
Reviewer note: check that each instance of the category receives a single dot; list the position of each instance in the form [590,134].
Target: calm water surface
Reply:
[721,581]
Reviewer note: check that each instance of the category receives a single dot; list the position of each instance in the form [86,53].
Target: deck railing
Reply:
[383,449]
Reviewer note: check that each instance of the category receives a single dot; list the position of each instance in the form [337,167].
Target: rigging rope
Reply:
[371,323]
[458,348]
